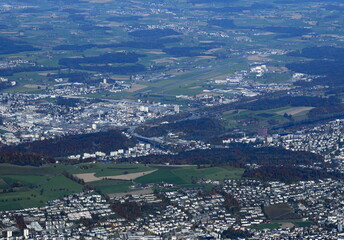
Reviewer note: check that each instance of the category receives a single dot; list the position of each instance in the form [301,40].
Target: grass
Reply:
[261,118]
[28,182]
[189,175]
[112,186]
[35,191]
[8,169]
[104,169]
[3,184]
[164,174]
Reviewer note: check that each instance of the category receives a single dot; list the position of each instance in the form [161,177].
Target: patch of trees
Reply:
[67,102]
[149,44]
[329,61]
[224,23]
[320,112]
[128,210]
[91,27]
[331,68]
[318,67]
[186,51]
[11,71]
[74,47]
[195,128]
[123,18]
[304,1]
[232,233]
[238,9]
[120,57]
[231,203]
[298,101]
[211,1]
[334,82]
[36,10]
[72,77]
[287,32]
[327,52]
[331,7]
[289,174]
[23,158]
[237,155]
[4,85]
[77,17]
[126,69]
[72,10]
[76,144]
[10,46]
[154,33]
[21,223]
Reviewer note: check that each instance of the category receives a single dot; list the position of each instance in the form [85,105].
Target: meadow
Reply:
[25,186]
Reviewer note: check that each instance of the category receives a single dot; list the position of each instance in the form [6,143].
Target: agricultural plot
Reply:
[265,118]
[189,175]
[112,186]
[102,170]
[33,191]
[25,186]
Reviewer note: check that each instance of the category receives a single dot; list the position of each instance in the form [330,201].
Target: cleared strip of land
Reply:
[294,111]
[130,176]
[90,177]
[136,87]
[87,177]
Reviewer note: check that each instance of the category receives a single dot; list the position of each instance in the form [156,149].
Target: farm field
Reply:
[189,174]
[26,186]
[24,191]
[263,118]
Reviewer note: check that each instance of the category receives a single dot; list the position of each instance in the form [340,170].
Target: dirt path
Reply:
[129,176]
[294,111]
[87,177]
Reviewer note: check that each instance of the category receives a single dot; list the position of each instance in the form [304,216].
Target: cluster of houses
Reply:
[140,149]
[189,213]
[325,139]
[77,89]
[62,219]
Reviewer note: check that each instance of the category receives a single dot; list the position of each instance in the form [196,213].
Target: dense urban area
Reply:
[186,119]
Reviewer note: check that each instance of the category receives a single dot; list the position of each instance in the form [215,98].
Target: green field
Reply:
[104,169]
[249,119]
[112,186]
[26,186]
[190,174]
[33,191]
[182,176]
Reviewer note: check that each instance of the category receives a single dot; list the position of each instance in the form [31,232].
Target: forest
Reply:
[297,101]
[237,155]
[289,174]
[23,158]
[190,129]
[76,144]
[10,46]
